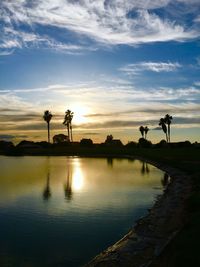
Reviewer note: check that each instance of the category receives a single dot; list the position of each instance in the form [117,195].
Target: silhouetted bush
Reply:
[43,144]
[25,143]
[181,144]
[144,143]
[109,139]
[196,144]
[131,144]
[5,146]
[162,143]
[86,142]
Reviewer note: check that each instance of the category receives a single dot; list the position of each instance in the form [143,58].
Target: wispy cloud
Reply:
[107,22]
[197,83]
[6,52]
[92,92]
[15,38]
[137,68]
[197,19]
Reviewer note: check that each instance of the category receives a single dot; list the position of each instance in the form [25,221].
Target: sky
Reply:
[117,64]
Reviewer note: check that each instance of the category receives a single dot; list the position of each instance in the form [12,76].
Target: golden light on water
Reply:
[78,177]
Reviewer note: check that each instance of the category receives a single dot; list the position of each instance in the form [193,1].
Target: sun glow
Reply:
[79,113]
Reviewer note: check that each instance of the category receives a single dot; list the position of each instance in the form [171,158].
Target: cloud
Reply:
[198,60]
[156,109]
[197,84]
[157,128]
[117,124]
[94,95]
[106,22]
[6,137]
[197,19]
[6,52]
[118,106]
[15,38]
[9,137]
[137,68]
[92,133]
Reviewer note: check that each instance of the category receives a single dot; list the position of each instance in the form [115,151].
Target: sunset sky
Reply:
[117,64]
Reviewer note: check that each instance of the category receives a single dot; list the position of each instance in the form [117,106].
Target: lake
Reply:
[62,211]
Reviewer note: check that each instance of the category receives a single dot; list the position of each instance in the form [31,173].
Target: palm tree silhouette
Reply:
[47,117]
[68,122]
[141,129]
[146,129]
[164,127]
[168,120]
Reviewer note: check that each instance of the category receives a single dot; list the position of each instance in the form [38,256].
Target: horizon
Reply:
[116,64]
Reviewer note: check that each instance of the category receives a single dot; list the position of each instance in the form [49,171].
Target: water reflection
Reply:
[103,202]
[68,184]
[145,168]
[47,189]
[110,162]
[165,180]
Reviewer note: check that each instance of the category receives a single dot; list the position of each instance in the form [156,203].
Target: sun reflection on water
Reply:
[77,176]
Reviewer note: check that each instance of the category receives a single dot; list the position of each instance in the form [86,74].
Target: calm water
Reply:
[61,211]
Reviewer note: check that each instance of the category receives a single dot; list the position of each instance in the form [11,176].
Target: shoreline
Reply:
[151,234]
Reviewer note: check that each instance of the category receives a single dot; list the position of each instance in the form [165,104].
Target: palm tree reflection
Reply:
[165,180]
[47,189]
[145,168]
[110,162]
[68,185]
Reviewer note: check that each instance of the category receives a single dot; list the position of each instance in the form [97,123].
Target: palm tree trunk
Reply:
[48,128]
[166,137]
[68,132]
[71,132]
[169,133]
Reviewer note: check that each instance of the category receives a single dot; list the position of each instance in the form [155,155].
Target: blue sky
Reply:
[116,64]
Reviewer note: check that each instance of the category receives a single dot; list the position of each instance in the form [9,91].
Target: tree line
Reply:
[165,124]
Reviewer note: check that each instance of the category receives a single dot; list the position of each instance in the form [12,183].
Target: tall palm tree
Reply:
[47,117]
[168,120]
[141,129]
[68,122]
[146,129]
[164,127]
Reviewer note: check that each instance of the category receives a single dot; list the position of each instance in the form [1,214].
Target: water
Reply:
[62,211]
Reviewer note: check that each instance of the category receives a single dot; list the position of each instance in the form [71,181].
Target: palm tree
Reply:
[68,122]
[146,129]
[47,117]
[141,129]
[164,127]
[168,120]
